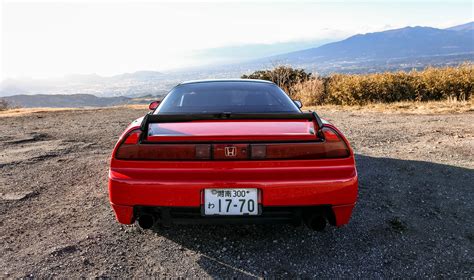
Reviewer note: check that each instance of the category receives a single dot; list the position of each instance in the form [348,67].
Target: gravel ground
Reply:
[413,218]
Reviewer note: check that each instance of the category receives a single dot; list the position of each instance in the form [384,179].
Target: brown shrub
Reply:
[310,92]
[3,105]
[431,84]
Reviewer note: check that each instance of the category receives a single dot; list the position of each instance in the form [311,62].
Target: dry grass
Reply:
[26,111]
[429,107]
[136,106]
[430,84]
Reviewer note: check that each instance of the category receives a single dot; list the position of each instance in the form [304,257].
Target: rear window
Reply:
[233,97]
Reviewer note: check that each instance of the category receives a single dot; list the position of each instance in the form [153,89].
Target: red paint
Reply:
[302,182]
[342,213]
[124,214]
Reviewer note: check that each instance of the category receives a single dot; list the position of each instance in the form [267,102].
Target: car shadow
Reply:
[412,217]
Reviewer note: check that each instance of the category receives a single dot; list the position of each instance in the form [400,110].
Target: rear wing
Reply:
[169,118]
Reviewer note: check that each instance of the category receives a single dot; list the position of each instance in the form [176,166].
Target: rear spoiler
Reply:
[169,118]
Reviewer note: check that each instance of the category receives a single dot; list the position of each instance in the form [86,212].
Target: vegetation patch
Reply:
[3,105]
[431,84]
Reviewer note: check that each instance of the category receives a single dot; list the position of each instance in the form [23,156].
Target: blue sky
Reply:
[44,39]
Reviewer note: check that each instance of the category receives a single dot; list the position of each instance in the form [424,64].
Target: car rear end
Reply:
[233,168]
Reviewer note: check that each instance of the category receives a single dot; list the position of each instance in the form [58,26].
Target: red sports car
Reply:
[232,151]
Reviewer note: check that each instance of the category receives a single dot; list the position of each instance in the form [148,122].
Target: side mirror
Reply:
[298,103]
[153,105]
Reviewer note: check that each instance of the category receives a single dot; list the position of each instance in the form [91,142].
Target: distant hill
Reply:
[134,84]
[463,27]
[72,100]
[408,42]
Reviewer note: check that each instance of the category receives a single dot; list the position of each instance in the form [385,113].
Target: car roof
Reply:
[226,80]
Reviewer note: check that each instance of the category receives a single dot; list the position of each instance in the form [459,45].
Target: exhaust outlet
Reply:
[146,221]
[316,222]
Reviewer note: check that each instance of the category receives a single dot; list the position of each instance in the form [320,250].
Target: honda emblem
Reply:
[230,151]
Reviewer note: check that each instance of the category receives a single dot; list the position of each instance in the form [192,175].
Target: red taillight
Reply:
[133,137]
[163,152]
[131,149]
[333,146]
[330,135]
[303,151]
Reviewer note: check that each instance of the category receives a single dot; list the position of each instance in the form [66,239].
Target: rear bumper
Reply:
[337,215]
[287,185]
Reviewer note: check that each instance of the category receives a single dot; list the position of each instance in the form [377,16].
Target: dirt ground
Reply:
[413,218]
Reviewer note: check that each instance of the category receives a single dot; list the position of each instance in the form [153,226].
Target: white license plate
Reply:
[230,202]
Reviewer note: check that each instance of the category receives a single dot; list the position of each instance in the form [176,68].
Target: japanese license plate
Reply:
[230,202]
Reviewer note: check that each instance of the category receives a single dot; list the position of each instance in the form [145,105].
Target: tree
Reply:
[284,76]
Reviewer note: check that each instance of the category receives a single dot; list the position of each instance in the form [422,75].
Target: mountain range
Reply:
[463,27]
[400,43]
[398,49]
